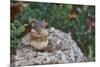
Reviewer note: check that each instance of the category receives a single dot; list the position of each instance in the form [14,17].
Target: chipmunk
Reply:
[38,37]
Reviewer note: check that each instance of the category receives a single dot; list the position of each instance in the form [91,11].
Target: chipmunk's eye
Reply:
[42,26]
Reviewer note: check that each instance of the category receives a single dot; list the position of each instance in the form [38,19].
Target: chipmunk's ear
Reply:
[45,23]
[32,21]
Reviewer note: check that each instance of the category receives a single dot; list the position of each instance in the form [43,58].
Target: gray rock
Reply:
[61,49]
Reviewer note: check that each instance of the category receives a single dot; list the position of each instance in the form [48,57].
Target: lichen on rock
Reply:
[60,50]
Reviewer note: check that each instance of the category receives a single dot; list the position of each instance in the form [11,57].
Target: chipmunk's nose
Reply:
[38,31]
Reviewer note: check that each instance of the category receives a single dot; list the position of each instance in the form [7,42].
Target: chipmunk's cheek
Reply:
[45,32]
[32,30]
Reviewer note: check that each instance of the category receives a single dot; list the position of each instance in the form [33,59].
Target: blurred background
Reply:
[79,20]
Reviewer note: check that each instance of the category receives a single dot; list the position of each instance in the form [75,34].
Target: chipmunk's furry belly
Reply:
[39,45]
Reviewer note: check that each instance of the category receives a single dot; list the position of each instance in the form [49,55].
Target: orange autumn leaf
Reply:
[72,16]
